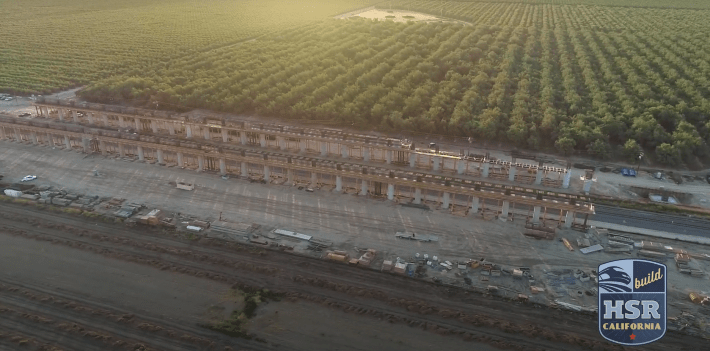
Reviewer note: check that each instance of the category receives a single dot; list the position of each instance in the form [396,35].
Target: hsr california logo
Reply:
[632,301]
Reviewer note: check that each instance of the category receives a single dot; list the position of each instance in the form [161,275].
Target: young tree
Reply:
[667,154]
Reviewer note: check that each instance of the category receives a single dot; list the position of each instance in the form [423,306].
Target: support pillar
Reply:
[243,137]
[314,178]
[445,201]
[536,214]
[267,174]
[207,134]
[188,131]
[511,173]
[141,156]
[34,138]
[89,116]
[412,159]
[200,163]
[323,148]
[569,218]
[417,196]
[568,176]
[18,137]
[61,115]
[102,147]
[222,166]
[344,151]
[390,191]
[504,210]
[338,183]
[436,162]
[137,122]
[302,145]
[67,143]
[366,153]
[85,144]
[282,142]
[121,151]
[121,122]
[460,164]
[486,168]
[104,118]
[587,186]
[363,187]
[289,176]
[75,116]
[171,128]
[475,203]
[388,156]
[225,136]
[262,140]
[2,133]
[160,156]
[538,176]
[179,160]
[245,171]
[154,127]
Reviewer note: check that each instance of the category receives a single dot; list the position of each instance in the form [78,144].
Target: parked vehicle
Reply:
[29,178]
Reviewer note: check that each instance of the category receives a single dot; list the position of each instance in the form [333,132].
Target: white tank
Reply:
[434,258]
[416,255]
[426,256]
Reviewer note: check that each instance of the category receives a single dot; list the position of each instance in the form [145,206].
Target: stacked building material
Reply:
[367,257]
[538,234]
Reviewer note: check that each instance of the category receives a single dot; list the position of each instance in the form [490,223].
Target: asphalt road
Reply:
[677,224]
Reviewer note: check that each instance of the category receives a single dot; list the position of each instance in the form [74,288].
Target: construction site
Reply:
[427,246]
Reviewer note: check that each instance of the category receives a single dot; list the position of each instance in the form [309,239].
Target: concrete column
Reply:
[436,163]
[245,172]
[2,133]
[179,160]
[302,145]
[538,176]
[207,133]
[536,214]
[587,186]
[141,156]
[445,201]
[314,178]
[154,126]
[67,143]
[565,182]
[323,148]
[160,156]
[569,218]
[121,122]
[18,137]
[262,140]
[171,128]
[338,183]
[475,203]
[511,173]
[390,191]
[289,176]
[200,163]
[121,151]
[85,144]
[417,196]
[363,187]
[222,166]
[188,131]
[388,156]
[61,115]
[267,174]
[505,208]
[137,122]
[225,136]
[412,159]
[34,138]
[344,151]
[243,137]
[486,168]
[366,153]
[75,116]
[104,118]
[89,116]
[460,164]
[282,142]
[102,147]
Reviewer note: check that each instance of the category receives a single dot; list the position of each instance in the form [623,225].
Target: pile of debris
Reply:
[682,261]
[539,234]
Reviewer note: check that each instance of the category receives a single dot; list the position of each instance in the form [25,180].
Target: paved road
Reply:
[654,221]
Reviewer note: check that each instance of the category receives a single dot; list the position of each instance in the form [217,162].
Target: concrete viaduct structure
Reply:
[451,192]
[305,141]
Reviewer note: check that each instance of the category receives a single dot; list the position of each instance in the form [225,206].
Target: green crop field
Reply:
[54,44]
[602,80]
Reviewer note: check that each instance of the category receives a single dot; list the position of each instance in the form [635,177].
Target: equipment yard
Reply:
[489,285]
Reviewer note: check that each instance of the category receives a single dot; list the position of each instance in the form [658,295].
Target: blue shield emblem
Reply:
[632,301]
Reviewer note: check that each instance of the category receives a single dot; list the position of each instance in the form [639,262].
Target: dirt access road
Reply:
[451,313]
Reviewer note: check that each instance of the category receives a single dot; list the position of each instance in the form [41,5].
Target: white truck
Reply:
[185,186]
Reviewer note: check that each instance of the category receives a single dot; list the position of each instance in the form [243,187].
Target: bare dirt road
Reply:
[425,309]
